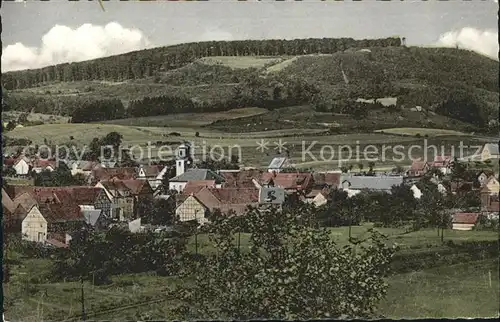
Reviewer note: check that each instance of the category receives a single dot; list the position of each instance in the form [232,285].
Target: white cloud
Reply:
[481,41]
[64,44]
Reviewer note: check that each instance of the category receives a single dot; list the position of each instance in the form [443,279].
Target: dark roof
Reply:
[151,170]
[292,181]
[465,218]
[195,186]
[198,175]
[127,173]
[371,182]
[242,178]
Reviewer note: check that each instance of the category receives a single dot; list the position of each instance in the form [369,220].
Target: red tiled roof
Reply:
[295,181]
[9,161]
[242,178]
[56,212]
[193,187]
[80,195]
[152,170]
[418,165]
[7,202]
[133,186]
[16,190]
[227,199]
[236,195]
[38,163]
[102,174]
[26,200]
[465,218]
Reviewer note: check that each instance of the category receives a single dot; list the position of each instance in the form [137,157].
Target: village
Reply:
[121,195]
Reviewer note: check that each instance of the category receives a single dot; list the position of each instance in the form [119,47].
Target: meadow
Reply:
[314,147]
[462,290]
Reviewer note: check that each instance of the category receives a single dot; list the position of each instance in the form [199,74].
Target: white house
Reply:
[153,173]
[22,166]
[417,193]
[34,226]
[278,164]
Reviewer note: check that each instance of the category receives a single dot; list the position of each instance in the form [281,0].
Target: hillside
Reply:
[452,88]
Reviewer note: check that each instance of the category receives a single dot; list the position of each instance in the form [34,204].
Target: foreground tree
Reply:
[290,271]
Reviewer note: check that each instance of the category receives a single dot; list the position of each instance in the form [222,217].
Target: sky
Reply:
[37,34]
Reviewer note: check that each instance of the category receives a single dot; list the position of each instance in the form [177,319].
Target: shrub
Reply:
[290,271]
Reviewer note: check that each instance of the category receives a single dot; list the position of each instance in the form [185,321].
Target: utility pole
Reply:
[84,318]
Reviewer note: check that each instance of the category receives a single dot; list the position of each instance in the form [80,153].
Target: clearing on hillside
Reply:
[189,119]
[412,131]
[242,62]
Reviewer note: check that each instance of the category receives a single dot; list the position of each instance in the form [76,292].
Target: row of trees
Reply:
[145,63]
[256,91]
[99,110]
[397,209]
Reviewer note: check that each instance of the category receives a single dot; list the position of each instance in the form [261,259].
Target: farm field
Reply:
[450,291]
[457,291]
[422,131]
[188,119]
[242,61]
[307,148]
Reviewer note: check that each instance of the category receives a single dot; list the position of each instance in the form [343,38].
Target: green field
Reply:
[453,291]
[457,291]
[242,61]
[422,131]
[307,147]
[188,119]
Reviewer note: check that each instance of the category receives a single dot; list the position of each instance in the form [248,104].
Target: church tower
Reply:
[183,159]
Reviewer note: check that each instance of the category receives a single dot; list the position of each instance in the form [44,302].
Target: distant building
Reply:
[464,221]
[153,173]
[44,165]
[374,183]
[443,163]
[418,168]
[21,165]
[179,182]
[490,151]
[278,164]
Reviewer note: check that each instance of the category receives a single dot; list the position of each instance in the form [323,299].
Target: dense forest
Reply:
[145,63]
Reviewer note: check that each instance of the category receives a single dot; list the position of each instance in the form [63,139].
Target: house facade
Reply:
[22,166]
[192,209]
[125,196]
[153,173]
[34,226]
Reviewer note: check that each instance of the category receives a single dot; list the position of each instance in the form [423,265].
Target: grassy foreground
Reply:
[462,290]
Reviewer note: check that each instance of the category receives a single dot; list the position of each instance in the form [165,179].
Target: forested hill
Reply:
[329,76]
[145,63]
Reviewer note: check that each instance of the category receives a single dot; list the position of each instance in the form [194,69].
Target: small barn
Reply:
[464,220]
